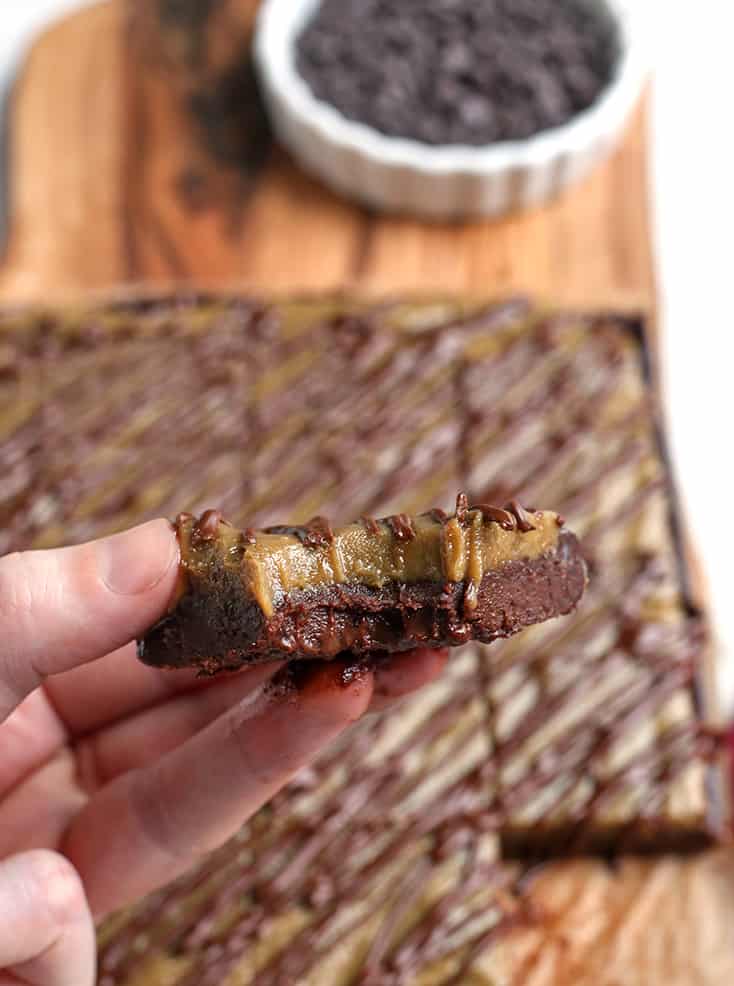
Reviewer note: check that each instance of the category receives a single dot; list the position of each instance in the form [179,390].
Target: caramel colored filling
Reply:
[374,554]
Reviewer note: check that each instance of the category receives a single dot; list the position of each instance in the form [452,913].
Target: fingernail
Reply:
[136,561]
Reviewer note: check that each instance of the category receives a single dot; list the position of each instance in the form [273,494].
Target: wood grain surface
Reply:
[113,181]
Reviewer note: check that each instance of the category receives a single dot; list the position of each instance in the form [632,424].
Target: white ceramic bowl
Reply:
[398,175]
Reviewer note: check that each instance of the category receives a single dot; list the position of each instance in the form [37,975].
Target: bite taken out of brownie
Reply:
[312,591]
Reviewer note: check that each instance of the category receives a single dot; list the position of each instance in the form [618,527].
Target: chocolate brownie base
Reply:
[218,628]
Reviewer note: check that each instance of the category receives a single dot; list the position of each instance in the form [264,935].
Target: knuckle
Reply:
[16,587]
[18,677]
[32,582]
[237,737]
[59,887]
[175,835]
[258,773]
[153,816]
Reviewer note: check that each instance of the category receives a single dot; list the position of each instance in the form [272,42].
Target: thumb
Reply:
[66,607]
[46,932]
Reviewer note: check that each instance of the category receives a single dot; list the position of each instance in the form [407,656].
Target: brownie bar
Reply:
[387,862]
[390,585]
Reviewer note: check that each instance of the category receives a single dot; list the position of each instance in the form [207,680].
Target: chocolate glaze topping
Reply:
[207,527]
[317,533]
[371,525]
[402,527]
[506,520]
[354,842]
[522,517]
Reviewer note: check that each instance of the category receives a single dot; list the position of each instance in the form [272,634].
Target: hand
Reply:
[115,777]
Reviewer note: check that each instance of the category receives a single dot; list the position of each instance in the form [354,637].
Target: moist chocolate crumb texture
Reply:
[313,592]
[404,856]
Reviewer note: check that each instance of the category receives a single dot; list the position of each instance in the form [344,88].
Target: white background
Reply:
[693,192]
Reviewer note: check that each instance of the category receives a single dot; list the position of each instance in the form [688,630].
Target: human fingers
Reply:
[151,824]
[29,737]
[403,674]
[140,739]
[37,813]
[65,607]
[93,696]
[46,933]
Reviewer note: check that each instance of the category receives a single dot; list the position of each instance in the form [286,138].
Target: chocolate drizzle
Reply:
[371,525]
[522,517]
[401,526]
[207,527]
[356,840]
[495,515]
[317,533]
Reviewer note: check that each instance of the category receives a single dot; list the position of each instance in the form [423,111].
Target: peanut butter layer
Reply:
[427,548]
[385,585]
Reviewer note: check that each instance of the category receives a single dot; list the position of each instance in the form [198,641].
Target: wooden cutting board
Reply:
[111,183]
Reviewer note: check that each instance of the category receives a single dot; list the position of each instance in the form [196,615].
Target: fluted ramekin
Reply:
[398,175]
